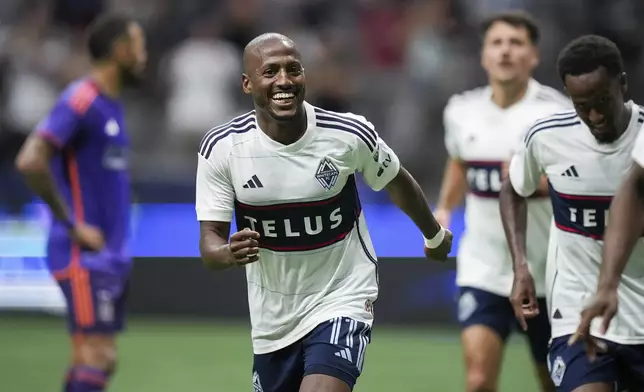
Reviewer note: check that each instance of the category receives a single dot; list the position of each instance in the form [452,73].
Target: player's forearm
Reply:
[622,231]
[213,247]
[405,192]
[453,187]
[39,178]
[514,215]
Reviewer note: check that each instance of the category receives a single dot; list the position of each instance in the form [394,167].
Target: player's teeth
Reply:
[282,96]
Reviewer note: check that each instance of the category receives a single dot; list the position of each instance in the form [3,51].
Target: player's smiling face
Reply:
[277,81]
[599,101]
[508,54]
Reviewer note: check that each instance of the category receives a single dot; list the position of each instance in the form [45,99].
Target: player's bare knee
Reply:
[479,380]
[99,353]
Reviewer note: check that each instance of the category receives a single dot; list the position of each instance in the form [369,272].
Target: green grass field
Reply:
[161,356]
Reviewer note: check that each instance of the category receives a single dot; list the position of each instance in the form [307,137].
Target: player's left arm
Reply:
[381,169]
[523,180]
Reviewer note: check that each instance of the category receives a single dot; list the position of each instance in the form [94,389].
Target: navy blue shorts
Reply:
[621,366]
[95,301]
[335,348]
[480,307]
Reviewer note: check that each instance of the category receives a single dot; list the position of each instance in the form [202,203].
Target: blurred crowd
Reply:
[394,61]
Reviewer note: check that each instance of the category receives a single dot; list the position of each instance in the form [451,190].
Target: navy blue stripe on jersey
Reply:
[555,123]
[586,215]
[302,226]
[331,120]
[640,115]
[237,122]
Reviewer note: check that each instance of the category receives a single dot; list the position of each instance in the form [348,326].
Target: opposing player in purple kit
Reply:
[286,171]
[585,154]
[76,161]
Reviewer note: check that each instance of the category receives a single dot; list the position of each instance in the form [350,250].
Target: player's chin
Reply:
[282,113]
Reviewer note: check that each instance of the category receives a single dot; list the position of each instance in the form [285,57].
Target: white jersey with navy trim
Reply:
[583,176]
[317,261]
[483,136]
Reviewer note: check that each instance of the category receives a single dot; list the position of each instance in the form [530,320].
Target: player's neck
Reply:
[108,79]
[283,132]
[506,95]
[625,119]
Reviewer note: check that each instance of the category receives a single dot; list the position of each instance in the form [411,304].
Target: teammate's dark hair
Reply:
[516,19]
[586,54]
[104,32]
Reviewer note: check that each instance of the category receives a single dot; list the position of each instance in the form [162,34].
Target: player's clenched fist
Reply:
[244,247]
[439,247]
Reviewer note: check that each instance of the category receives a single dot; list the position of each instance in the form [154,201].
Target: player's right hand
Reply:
[523,297]
[604,305]
[87,237]
[441,252]
[244,247]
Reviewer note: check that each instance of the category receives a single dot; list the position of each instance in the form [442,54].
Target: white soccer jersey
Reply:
[583,177]
[316,261]
[484,136]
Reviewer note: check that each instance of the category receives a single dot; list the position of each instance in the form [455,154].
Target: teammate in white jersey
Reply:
[584,154]
[287,172]
[483,127]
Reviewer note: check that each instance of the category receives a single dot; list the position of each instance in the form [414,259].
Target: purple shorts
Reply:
[95,300]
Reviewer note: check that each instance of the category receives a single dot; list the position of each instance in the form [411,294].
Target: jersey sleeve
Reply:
[638,148]
[376,160]
[60,125]
[215,195]
[525,169]
[451,131]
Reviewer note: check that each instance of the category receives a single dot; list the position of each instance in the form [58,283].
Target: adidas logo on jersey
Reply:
[570,172]
[254,182]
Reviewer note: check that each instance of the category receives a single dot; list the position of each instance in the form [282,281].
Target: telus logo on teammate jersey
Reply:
[484,178]
[302,226]
[581,214]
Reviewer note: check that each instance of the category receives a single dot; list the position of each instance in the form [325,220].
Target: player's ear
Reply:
[536,58]
[247,85]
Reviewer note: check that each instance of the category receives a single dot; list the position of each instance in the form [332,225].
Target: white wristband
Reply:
[437,240]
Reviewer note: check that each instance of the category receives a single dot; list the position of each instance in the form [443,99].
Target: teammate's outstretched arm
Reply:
[405,192]
[214,205]
[524,179]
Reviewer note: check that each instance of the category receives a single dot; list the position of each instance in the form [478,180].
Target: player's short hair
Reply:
[588,53]
[104,32]
[514,18]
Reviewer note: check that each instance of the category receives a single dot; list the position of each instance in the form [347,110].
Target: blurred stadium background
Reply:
[395,61]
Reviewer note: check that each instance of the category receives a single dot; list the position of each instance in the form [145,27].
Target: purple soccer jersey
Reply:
[91,172]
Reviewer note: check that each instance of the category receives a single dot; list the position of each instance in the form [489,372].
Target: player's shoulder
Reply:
[553,126]
[551,95]
[346,127]
[79,95]
[220,139]
[466,99]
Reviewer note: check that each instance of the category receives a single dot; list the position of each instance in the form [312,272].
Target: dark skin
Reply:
[274,77]
[599,101]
